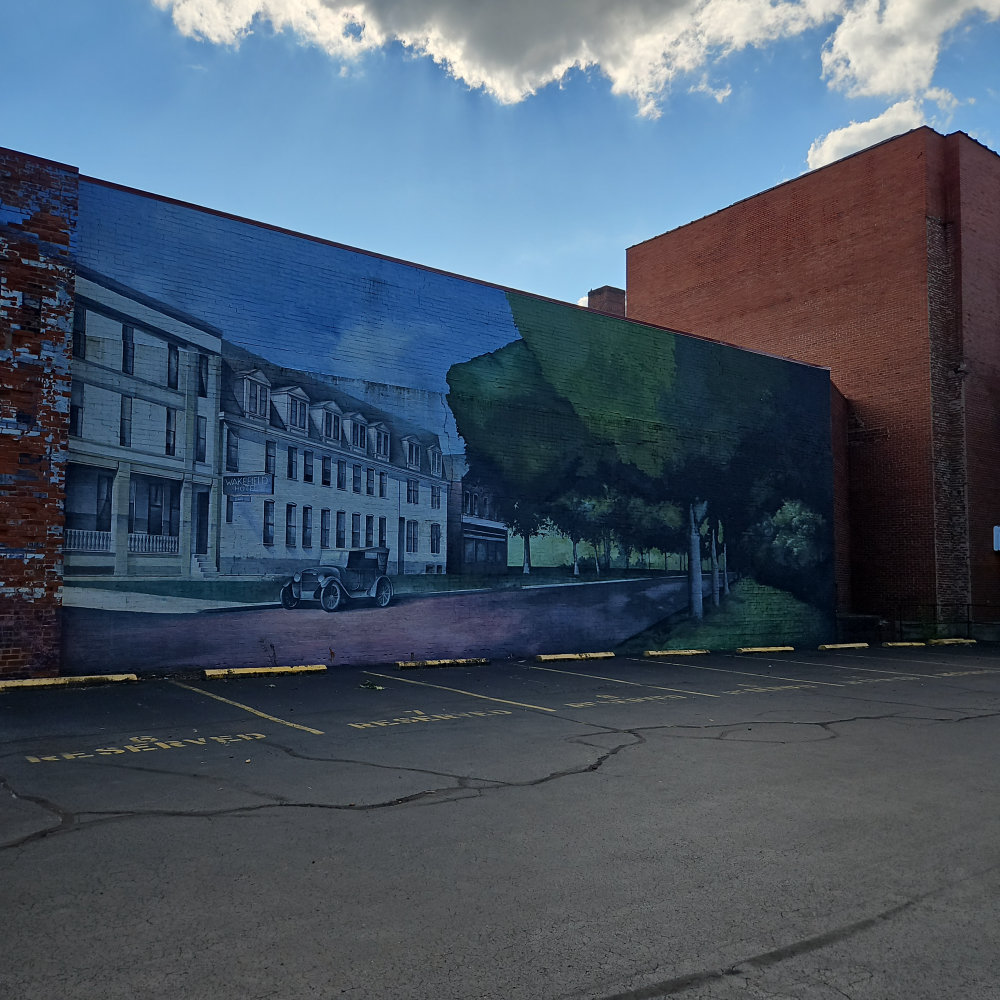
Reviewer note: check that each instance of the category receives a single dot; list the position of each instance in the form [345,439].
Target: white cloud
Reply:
[511,49]
[888,48]
[901,117]
[719,94]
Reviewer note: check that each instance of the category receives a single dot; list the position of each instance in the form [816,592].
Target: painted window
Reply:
[173,364]
[341,529]
[358,429]
[370,530]
[270,456]
[292,465]
[412,536]
[290,525]
[125,423]
[324,529]
[307,527]
[382,444]
[327,473]
[370,482]
[356,479]
[341,475]
[355,531]
[80,332]
[435,461]
[170,442]
[307,466]
[383,484]
[128,349]
[413,454]
[413,491]
[203,376]
[436,539]
[268,537]
[435,497]
[201,440]
[381,531]
[331,425]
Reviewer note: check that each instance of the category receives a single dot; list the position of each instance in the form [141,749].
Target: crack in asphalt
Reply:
[465,787]
[70,821]
[752,963]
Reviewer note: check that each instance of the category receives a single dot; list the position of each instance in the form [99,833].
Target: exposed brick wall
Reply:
[38,202]
[854,267]
[976,210]
[607,299]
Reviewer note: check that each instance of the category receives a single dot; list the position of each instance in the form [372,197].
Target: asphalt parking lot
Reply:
[799,825]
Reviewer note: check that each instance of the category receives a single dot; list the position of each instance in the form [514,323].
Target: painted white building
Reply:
[142,487]
[308,470]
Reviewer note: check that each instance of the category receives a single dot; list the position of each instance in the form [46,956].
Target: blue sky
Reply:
[524,142]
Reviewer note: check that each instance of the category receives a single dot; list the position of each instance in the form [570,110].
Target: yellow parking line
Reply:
[747,673]
[470,694]
[247,708]
[618,680]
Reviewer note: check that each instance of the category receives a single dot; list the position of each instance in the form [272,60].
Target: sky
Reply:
[522,142]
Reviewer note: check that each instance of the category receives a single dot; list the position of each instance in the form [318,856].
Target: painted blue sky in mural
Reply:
[299,303]
[522,143]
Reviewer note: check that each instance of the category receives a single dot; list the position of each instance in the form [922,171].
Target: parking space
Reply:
[579,829]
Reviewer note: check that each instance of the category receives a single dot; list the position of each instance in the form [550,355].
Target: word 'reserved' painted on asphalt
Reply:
[145,744]
[415,715]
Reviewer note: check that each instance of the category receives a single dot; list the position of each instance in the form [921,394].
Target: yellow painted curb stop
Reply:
[766,649]
[674,652]
[305,668]
[844,645]
[467,661]
[953,642]
[899,645]
[45,682]
[546,657]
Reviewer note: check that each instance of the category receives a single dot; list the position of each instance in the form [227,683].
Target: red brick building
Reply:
[884,267]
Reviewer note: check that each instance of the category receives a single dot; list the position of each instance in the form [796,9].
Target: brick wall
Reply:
[976,212]
[833,269]
[38,201]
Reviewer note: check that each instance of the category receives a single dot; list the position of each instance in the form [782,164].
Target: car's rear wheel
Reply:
[383,592]
[330,597]
[288,598]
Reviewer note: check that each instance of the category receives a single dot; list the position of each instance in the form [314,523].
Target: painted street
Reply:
[482,623]
[803,824]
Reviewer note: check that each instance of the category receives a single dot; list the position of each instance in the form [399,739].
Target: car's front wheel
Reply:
[383,592]
[330,597]
[288,598]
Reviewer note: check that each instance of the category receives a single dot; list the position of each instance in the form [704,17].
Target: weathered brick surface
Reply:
[882,267]
[38,202]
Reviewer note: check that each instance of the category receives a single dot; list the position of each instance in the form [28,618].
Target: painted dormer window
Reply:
[297,409]
[256,395]
[434,455]
[331,425]
[293,406]
[381,441]
[359,432]
[412,447]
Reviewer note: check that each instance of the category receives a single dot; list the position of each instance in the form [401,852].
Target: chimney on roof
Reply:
[607,299]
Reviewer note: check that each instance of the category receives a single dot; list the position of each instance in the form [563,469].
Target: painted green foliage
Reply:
[609,429]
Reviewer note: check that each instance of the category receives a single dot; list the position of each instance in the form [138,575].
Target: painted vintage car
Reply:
[351,573]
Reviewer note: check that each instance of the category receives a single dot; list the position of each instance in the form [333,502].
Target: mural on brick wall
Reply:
[284,451]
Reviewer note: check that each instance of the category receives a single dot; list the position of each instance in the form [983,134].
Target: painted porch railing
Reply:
[76,540]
